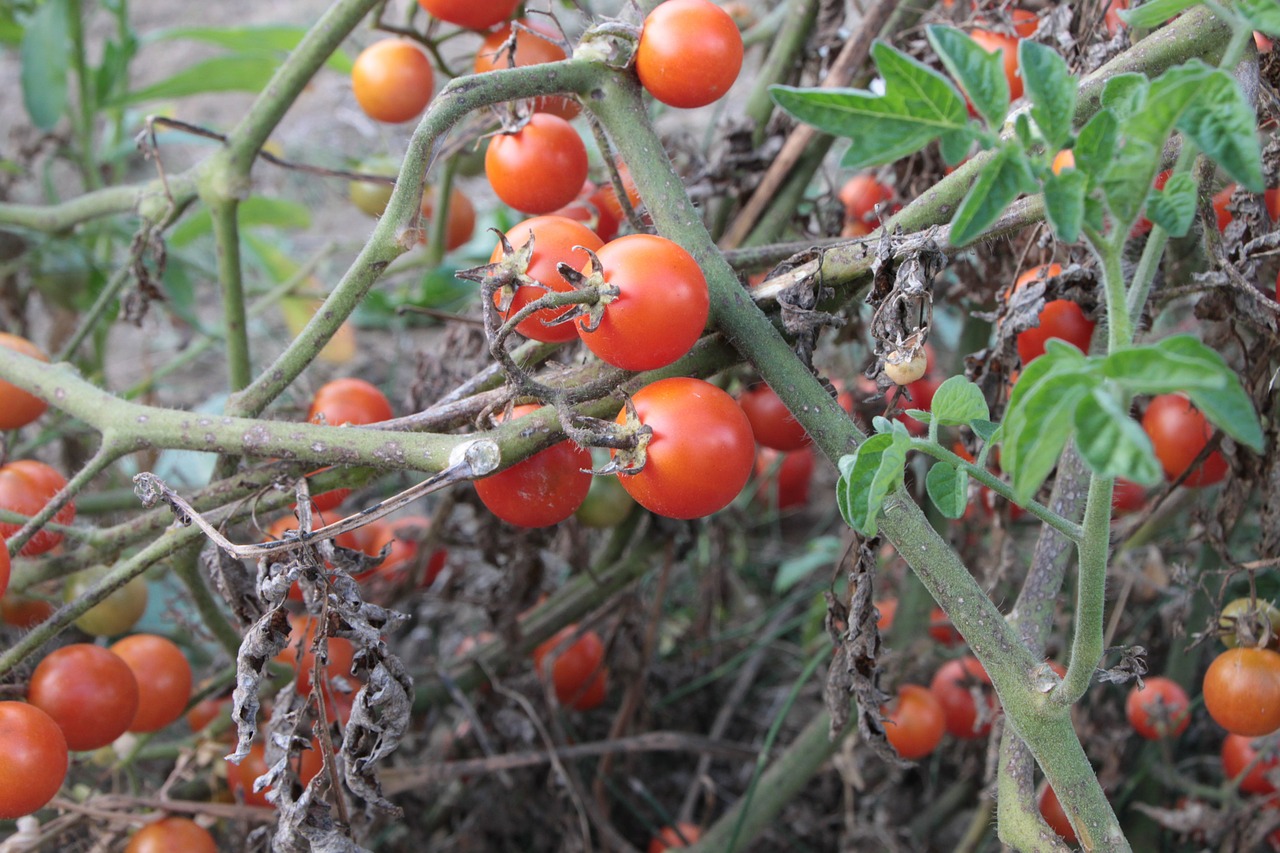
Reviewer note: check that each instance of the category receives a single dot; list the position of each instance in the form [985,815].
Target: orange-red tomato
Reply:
[33,762]
[23,612]
[771,422]
[1158,709]
[392,80]
[1008,48]
[1063,160]
[240,777]
[462,218]
[689,53]
[207,710]
[860,195]
[26,486]
[887,610]
[1053,814]
[669,837]
[164,679]
[1127,496]
[408,533]
[578,673]
[531,49]
[345,401]
[606,198]
[88,691]
[941,629]
[540,167]
[17,407]
[788,486]
[954,685]
[1238,752]
[915,722]
[1242,691]
[556,240]
[1178,432]
[170,835]
[302,633]
[1060,318]
[542,490]
[1025,22]
[472,14]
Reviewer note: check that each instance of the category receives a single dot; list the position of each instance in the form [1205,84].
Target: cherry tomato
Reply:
[207,710]
[1143,225]
[1054,815]
[25,487]
[1178,432]
[1025,22]
[689,54]
[578,673]
[240,777]
[164,679]
[33,762]
[531,49]
[538,168]
[941,629]
[556,240]
[860,195]
[472,14]
[88,691]
[462,218]
[1242,691]
[771,422]
[5,567]
[1238,753]
[955,685]
[887,609]
[17,407]
[606,199]
[1127,496]
[1221,199]
[906,370]
[407,534]
[1064,159]
[345,401]
[172,834]
[302,632]
[1271,199]
[1112,19]
[915,722]
[370,197]
[23,612]
[661,308]
[606,505]
[669,837]
[392,80]
[1008,48]
[588,210]
[700,454]
[114,615]
[542,490]
[1243,610]
[1060,318]
[1158,709]
[788,485]
[919,396]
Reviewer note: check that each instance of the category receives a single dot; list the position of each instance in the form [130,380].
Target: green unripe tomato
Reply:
[371,197]
[116,614]
[606,504]
[1239,610]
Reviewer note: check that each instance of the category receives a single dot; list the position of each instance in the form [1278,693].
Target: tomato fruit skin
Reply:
[17,407]
[689,53]
[538,168]
[1060,318]
[771,422]
[531,49]
[669,837]
[578,673]
[1238,753]
[88,691]
[1008,48]
[462,218]
[915,722]
[700,454]
[33,763]
[471,14]
[788,485]
[1242,691]
[345,401]
[23,612]
[941,629]
[860,195]
[542,490]
[953,685]
[392,80]
[207,710]
[240,777]
[172,834]
[1178,432]
[164,679]
[25,487]
[115,614]
[1054,815]
[1159,709]
[555,240]
[661,308]
[1127,496]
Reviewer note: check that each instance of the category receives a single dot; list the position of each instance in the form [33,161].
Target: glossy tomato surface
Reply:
[771,422]
[164,679]
[1178,432]
[88,691]
[1158,709]
[17,407]
[544,489]
[915,722]
[26,486]
[1052,812]
[33,762]
[472,14]
[860,195]
[689,54]
[1060,318]
[959,685]
[578,672]
[349,401]
[392,80]
[461,223]
[1242,691]
[1008,48]
[171,835]
[534,45]
[785,477]
[1239,752]
[540,167]
[556,240]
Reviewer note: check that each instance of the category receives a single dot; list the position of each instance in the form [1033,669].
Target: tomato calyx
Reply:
[633,439]
[592,284]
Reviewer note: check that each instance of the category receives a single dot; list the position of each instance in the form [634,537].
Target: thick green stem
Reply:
[784,54]
[226,236]
[1086,645]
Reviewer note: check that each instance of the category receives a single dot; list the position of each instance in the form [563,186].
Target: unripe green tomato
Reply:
[371,197]
[1239,609]
[606,504]
[117,613]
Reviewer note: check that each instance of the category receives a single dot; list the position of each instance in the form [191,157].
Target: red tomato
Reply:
[1178,432]
[1221,199]
[17,407]
[26,486]
[542,490]
[556,240]
[472,14]
[538,168]
[914,722]
[23,612]
[887,610]
[771,421]
[680,835]
[164,679]
[860,195]
[1238,753]
[345,401]
[392,80]
[941,629]
[1053,814]
[689,54]
[1242,691]
[611,210]
[407,534]
[1143,225]
[172,834]
[88,691]
[1272,200]
[240,777]
[531,49]
[578,672]
[661,308]
[1025,23]
[206,711]
[1158,709]
[1112,18]
[1127,496]
[788,486]
[33,762]
[1060,318]
[302,632]
[1008,47]
[919,396]
[700,454]
[954,685]
[462,218]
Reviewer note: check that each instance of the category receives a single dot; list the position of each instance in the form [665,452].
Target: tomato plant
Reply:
[660,308]
[534,45]
[472,14]
[539,167]
[170,834]
[241,777]
[542,490]
[1159,708]
[785,477]
[689,54]
[1060,318]
[671,837]
[392,80]
[700,453]
[164,679]
[115,614]
[17,407]
[1007,47]
[957,685]
[349,400]
[1238,752]
[771,423]
[33,762]
[88,691]
[25,487]
[915,722]
[1242,691]
[556,240]
[578,672]
[1178,432]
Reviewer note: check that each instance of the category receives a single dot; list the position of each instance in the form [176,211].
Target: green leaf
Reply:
[881,424]
[1222,123]
[1052,88]
[238,73]
[46,54]
[1148,16]
[954,145]
[867,477]
[281,38]
[254,211]
[957,402]
[1001,180]
[921,415]
[918,105]
[1160,369]
[1229,407]
[980,74]
[1064,203]
[948,488]
[1038,429]
[1128,181]
[1174,207]
[984,429]
[1263,15]
[819,552]
[1096,143]
[1111,443]
[1124,94]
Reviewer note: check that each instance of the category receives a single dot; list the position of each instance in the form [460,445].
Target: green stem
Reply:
[186,565]
[82,114]
[148,198]
[1086,645]
[777,67]
[1119,320]
[226,236]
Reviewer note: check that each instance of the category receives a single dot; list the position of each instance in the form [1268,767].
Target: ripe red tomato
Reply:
[462,217]
[669,837]
[1008,48]
[33,762]
[919,396]
[611,210]
[1242,691]
[1052,812]
[392,80]
[171,834]
[1143,225]
[531,49]
[17,407]
[1112,19]
[941,629]
[887,610]
[472,14]
[538,168]
[788,486]
[860,195]
[661,308]
[771,421]
[25,487]
[1178,432]
[1127,496]
[1158,709]
[345,401]
[700,454]
[578,672]
[556,240]
[542,490]
[1238,753]
[1060,318]
[207,710]
[164,679]
[88,691]
[302,632]
[1220,201]
[240,777]
[1025,22]
[954,686]
[915,722]
[406,535]
[689,54]
[23,612]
